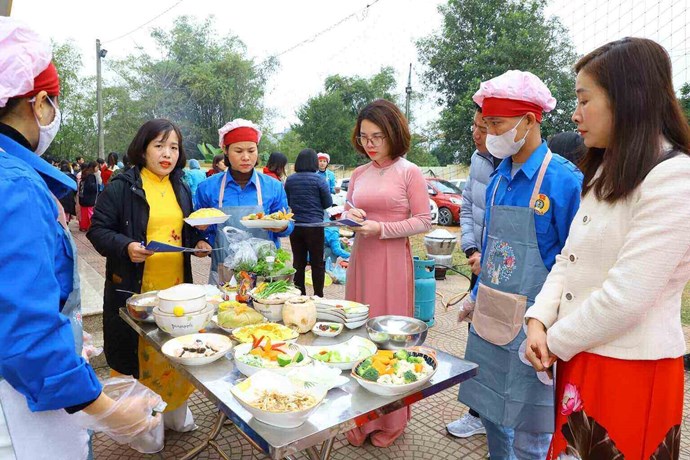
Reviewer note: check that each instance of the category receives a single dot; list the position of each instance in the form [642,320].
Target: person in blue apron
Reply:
[240,191]
[532,198]
[43,377]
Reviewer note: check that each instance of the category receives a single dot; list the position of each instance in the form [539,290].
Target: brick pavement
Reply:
[425,437]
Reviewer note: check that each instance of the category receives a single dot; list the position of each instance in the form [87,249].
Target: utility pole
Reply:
[100,53]
[5,7]
[408,91]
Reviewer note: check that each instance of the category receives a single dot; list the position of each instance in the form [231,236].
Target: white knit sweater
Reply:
[616,287]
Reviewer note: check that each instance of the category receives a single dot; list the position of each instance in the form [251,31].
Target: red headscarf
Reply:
[47,81]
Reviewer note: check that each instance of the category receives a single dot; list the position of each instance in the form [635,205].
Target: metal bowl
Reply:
[140,306]
[440,246]
[392,332]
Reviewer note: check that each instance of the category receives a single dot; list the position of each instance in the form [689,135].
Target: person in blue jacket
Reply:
[327,174]
[194,176]
[240,190]
[41,367]
[531,200]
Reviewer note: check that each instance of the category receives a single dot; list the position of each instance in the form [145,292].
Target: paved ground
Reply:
[425,437]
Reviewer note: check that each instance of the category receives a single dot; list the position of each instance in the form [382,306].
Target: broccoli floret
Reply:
[396,366]
[415,359]
[370,374]
[409,377]
[401,354]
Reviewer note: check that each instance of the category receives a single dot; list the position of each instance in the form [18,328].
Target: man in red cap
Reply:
[530,202]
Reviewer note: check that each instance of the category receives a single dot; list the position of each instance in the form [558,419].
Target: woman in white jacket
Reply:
[609,312]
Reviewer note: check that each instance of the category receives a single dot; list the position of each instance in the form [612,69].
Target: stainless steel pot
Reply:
[440,242]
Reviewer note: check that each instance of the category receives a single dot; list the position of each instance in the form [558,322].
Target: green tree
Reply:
[419,153]
[201,81]
[326,121]
[685,99]
[481,39]
[77,135]
[289,143]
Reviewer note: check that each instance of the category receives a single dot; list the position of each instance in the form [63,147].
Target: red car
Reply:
[447,197]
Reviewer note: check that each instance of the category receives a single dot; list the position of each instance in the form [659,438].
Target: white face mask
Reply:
[48,132]
[504,146]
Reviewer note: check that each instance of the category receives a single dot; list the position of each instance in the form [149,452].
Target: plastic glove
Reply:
[466,309]
[127,411]
[89,350]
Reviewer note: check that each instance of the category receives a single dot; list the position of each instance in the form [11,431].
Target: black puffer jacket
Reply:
[121,217]
[308,195]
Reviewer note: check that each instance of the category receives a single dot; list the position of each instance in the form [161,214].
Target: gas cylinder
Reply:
[424,290]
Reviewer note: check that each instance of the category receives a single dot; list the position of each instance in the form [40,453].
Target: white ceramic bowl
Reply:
[290,348]
[357,348]
[191,297]
[173,347]
[356,324]
[272,312]
[182,325]
[396,390]
[328,332]
[244,392]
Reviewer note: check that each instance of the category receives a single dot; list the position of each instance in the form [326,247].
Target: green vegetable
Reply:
[282,255]
[409,377]
[366,364]
[298,358]
[284,360]
[370,374]
[323,357]
[396,366]
[277,287]
[402,355]
[415,359]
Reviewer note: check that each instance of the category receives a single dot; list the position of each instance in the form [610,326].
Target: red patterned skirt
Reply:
[609,408]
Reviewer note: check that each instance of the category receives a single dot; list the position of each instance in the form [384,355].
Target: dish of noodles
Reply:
[273,401]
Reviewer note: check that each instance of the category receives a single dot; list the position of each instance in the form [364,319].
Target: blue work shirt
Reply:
[329,177]
[562,185]
[37,351]
[272,194]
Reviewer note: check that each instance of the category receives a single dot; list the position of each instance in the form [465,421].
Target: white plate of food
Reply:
[280,357]
[277,400]
[206,216]
[274,220]
[265,223]
[276,332]
[197,349]
[326,329]
[389,373]
[343,355]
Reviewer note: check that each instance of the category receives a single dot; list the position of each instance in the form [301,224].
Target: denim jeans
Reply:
[509,444]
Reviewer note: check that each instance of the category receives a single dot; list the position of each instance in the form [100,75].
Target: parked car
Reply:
[459,183]
[447,197]
[341,192]
[433,209]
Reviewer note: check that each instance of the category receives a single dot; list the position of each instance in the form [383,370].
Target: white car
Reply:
[341,195]
[433,208]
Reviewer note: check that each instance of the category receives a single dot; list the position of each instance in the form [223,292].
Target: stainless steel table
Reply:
[345,407]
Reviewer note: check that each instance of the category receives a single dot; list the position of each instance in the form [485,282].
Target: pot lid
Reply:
[441,234]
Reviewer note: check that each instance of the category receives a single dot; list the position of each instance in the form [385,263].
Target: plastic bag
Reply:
[336,271]
[241,256]
[135,413]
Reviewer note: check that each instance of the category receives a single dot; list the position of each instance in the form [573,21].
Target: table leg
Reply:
[211,441]
[326,449]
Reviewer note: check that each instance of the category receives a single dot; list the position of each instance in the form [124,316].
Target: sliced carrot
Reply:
[418,367]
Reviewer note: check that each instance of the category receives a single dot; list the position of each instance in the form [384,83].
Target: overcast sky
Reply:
[381,35]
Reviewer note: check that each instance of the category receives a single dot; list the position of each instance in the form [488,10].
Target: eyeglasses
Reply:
[376,141]
[482,129]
